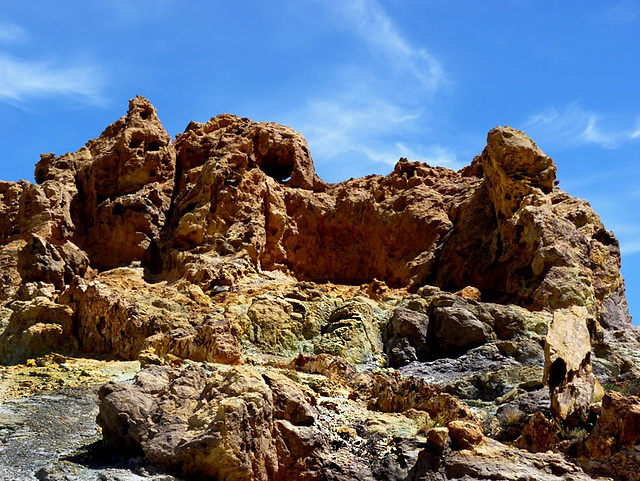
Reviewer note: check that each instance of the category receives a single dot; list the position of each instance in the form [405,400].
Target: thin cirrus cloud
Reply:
[21,80]
[376,29]
[574,126]
[431,154]
[336,127]
[625,11]
[377,103]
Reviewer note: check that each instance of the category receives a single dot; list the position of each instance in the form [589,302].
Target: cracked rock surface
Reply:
[425,325]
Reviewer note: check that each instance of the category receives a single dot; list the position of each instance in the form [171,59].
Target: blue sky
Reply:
[366,81]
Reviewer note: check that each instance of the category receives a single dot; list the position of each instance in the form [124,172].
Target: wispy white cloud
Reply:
[375,106]
[21,80]
[338,126]
[574,125]
[378,30]
[10,32]
[24,79]
[636,133]
[436,155]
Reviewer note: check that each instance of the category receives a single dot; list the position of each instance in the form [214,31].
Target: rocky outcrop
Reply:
[297,329]
[257,423]
[34,328]
[568,371]
[611,448]
[124,182]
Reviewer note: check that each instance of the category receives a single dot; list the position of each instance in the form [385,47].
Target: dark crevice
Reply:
[557,373]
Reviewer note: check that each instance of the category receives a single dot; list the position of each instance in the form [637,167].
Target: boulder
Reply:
[464,434]
[611,448]
[228,423]
[34,328]
[567,368]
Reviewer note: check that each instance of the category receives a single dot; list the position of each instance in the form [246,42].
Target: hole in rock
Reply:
[135,143]
[278,165]
[153,146]
[144,115]
[605,237]
[118,209]
[557,372]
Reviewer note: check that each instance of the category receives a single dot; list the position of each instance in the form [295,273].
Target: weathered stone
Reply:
[40,261]
[124,182]
[519,239]
[492,460]
[229,423]
[539,435]
[212,341]
[464,434]
[406,337]
[35,328]
[456,330]
[352,332]
[611,448]
[187,252]
[567,365]
[437,439]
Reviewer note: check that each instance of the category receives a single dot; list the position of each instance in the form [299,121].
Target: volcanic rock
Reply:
[295,329]
[568,370]
[611,448]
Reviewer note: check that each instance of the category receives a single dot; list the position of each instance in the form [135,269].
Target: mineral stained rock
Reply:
[295,329]
[611,448]
[568,367]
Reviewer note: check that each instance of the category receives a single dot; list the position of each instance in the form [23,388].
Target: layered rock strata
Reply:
[250,289]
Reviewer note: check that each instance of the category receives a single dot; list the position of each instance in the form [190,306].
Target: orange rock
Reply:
[464,434]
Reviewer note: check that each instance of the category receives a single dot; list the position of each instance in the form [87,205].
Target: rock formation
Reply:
[294,329]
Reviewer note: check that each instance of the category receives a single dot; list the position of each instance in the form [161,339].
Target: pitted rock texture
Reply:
[611,448]
[121,185]
[231,197]
[568,369]
[249,423]
[295,329]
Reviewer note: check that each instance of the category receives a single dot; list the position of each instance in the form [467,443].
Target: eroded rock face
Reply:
[568,371]
[121,185]
[217,425]
[251,423]
[34,328]
[251,289]
[611,448]
[520,239]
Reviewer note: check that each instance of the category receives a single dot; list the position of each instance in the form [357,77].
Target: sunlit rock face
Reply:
[294,329]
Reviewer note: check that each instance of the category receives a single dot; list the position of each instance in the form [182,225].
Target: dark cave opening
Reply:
[278,165]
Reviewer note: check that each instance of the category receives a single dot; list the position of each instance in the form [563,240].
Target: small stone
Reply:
[464,434]
[437,439]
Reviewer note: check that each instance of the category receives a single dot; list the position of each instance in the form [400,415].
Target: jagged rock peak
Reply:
[247,194]
[279,151]
[225,247]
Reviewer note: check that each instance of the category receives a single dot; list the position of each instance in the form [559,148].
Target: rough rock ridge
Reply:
[295,329]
